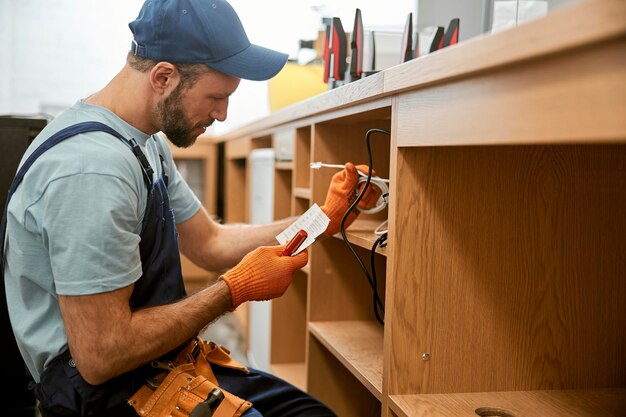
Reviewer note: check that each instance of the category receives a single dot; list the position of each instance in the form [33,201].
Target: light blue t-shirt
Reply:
[73,225]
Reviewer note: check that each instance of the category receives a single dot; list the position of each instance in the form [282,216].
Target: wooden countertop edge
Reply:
[573,26]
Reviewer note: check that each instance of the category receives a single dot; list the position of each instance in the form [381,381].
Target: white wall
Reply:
[5,31]
[57,51]
[54,52]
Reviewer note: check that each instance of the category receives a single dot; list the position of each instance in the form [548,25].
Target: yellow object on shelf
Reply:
[295,83]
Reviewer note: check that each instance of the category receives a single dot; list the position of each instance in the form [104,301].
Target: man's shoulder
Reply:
[95,152]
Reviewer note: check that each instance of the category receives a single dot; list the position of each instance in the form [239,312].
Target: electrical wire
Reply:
[379,310]
[379,232]
[319,164]
[381,241]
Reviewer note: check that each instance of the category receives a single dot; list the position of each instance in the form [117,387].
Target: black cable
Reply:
[381,241]
[378,305]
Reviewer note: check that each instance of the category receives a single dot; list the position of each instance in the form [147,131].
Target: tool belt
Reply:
[186,382]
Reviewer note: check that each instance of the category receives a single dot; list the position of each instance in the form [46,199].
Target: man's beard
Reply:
[174,123]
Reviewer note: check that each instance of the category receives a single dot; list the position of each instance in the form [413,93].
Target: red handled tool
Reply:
[451,36]
[437,42]
[295,242]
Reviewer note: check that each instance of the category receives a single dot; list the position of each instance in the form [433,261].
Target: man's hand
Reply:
[342,193]
[263,274]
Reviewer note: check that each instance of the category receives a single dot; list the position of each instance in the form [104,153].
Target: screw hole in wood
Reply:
[493,412]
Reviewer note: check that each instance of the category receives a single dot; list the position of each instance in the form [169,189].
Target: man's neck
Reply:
[126,96]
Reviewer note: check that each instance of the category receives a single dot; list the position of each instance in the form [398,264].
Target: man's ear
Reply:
[164,77]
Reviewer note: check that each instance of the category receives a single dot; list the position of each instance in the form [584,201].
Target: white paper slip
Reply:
[314,222]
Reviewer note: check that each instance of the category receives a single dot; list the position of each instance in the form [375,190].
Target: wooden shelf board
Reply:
[283,165]
[555,403]
[361,233]
[301,192]
[358,345]
[294,373]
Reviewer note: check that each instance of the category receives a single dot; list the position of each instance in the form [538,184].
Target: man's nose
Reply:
[220,111]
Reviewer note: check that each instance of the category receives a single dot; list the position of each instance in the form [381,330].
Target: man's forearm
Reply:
[183,319]
[233,241]
[105,346]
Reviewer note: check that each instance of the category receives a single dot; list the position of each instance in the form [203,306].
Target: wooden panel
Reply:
[358,345]
[288,324]
[590,403]
[302,158]
[282,194]
[235,191]
[283,165]
[295,373]
[577,97]
[390,284]
[258,142]
[211,180]
[510,270]
[304,193]
[237,148]
[330,382]
[300,205]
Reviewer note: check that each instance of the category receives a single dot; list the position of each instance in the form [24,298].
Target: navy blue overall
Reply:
[63,392]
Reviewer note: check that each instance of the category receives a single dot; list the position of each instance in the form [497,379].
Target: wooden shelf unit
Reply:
[203,157]
[503,277]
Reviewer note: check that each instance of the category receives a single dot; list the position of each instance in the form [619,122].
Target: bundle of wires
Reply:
[379,310]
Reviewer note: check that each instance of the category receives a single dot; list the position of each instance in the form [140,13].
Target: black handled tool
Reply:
[208,406]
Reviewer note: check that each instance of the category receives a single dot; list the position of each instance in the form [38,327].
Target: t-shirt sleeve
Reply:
[182,198]
[91,229]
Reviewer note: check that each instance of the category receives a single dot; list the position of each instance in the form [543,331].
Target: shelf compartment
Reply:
[299,205]
[330,382]
[343,140]
[235,210]
[554,403]
[282,194]
[295,373]
[340,291]
[358,345]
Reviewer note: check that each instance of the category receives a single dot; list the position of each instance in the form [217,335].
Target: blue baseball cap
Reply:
[201,32]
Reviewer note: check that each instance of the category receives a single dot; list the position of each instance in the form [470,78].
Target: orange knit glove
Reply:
[342,193]
[263,274]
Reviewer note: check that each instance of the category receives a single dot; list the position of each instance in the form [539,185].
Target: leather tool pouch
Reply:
[186,382]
